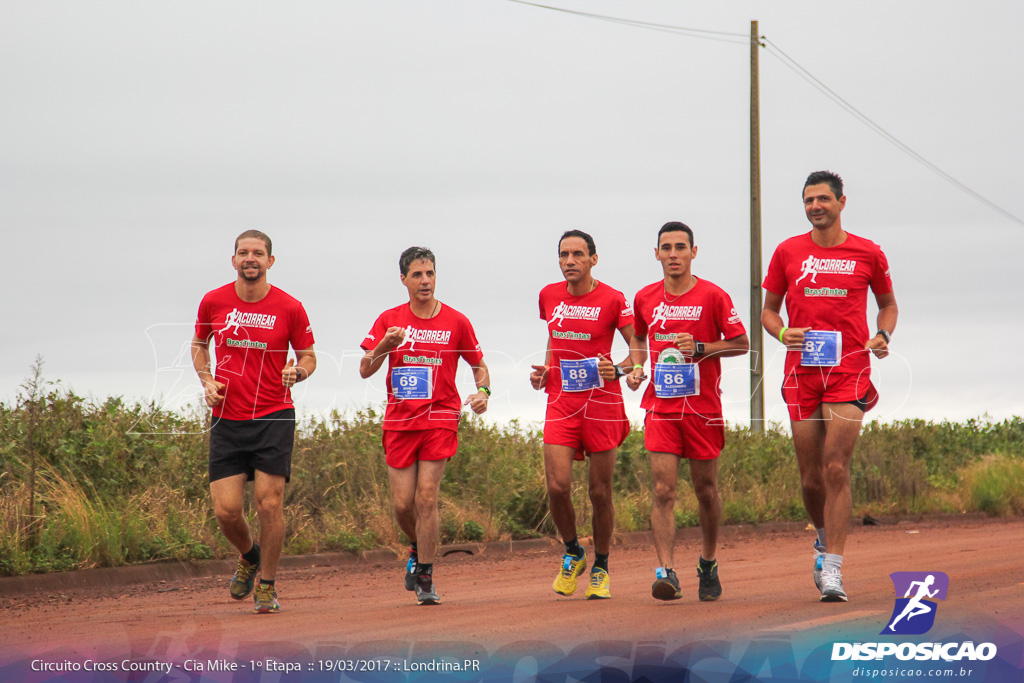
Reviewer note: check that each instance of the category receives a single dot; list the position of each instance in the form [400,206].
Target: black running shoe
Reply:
[710,587]
[410,573]
[666,585]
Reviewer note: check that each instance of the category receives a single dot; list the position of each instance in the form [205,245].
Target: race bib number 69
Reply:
[412,382]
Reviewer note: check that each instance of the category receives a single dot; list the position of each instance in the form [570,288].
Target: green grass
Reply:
[88,483]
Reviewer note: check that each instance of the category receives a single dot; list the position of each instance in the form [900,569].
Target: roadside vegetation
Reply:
[87,483]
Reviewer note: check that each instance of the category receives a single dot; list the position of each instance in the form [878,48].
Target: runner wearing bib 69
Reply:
[585,413]
[252,326]
[689,324]
[824,278]
[423,341]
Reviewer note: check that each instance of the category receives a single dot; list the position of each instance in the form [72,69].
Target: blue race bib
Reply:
[675,380]
[580,375]
[821,348]
[412,382]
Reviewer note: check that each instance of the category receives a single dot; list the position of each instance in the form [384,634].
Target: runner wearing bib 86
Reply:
[423,341]
[688,324]
[824,278]
[585,413]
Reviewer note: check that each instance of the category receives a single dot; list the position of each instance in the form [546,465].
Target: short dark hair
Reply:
[673,226]
[582,235]
[255,234]
[414,254]
[831,179]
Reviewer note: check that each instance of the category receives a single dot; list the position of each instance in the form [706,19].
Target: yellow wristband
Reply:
[781,333]
[638,367]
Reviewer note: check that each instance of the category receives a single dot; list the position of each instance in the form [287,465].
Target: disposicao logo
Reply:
[914,613]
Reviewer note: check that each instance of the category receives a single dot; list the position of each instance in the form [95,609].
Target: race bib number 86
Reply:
[675,380]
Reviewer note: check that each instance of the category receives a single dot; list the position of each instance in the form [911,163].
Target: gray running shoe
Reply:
[819,561]
[425,593]
[832,586]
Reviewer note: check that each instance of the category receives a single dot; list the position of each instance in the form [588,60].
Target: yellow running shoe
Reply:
[266,599]
[600,585]
[244,579]
[572,567]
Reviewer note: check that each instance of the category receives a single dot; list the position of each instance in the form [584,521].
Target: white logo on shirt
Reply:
[415,336]
[663,313]
[238,319]
[830,266]
[563,311]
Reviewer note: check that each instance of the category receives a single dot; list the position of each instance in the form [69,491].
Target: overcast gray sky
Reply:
[138,139]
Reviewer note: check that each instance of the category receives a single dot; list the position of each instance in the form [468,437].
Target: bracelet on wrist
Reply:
[485,389]
[782,333]
[885,335]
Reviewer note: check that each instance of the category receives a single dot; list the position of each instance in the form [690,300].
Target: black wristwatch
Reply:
[698,349]
[619,371]
[885,335]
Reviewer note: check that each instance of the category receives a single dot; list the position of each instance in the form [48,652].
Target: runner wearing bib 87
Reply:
[689,324]
[824,278]
[585,413]
[423,341]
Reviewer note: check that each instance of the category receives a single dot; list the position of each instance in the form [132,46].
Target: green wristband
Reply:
[781,333]
[638,367]
[486,389]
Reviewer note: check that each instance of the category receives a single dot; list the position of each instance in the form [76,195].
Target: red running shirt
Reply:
[707,313]
[251,343]
[826,288]
[582,327]
[437,343]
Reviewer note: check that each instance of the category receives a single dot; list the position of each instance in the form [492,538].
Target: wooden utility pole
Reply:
[756,333]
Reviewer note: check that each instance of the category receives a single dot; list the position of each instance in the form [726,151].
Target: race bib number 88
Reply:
[412,382]
[675,380]
[580,375]
[821,348]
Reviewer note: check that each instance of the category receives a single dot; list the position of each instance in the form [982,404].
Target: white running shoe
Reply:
[832,586]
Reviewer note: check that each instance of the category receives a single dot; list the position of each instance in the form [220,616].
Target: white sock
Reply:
[821,537]
[832,563]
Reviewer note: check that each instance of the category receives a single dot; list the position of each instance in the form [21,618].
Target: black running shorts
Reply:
[244,446]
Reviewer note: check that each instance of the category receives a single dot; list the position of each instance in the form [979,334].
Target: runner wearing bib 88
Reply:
[585,413]
[688,324]
[824,278]
[423,341]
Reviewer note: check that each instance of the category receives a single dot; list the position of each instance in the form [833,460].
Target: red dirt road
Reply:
[504,600]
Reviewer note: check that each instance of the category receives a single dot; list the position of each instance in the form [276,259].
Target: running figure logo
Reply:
[808,269]
[558,313]
[233,319]
[914,613]
[659,315]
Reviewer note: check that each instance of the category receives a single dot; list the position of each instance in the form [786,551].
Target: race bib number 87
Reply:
[675,380]
[821,348]
[580,375]
[412,382]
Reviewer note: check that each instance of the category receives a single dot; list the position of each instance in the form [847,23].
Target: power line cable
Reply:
[794,66]
[665,28]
